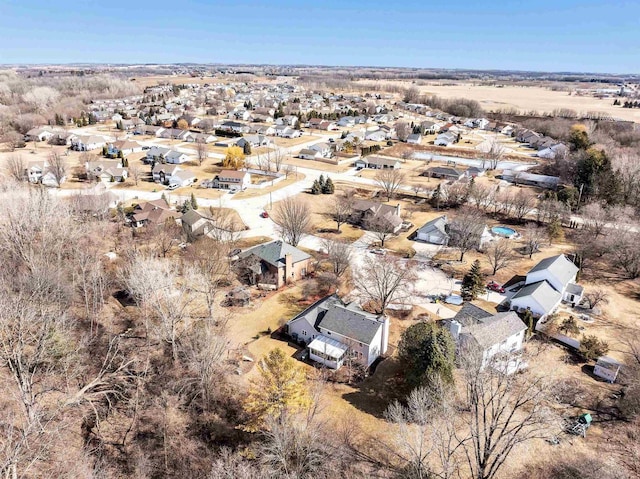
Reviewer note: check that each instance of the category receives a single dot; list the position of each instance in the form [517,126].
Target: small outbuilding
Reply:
[607,368]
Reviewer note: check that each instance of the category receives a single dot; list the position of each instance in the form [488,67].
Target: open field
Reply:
[253,192]
[321,166]
[525,99]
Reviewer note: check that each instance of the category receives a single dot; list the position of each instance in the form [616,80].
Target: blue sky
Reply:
[561,35]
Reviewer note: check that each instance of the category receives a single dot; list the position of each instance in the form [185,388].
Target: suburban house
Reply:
[558,150]
[201,138]
[87,143]
[336,332]
[181,178]
[492,334]
[106,170]
[434,231]
[152,212]
[253,141]
[156,153]
[231,180]
[524,178]
[124,146]
[162,172]
[39,134]
[366,212]
[276,263]
[235,127]
[309,154]
[195,224]
[175,157]
[378,163]
[547,284]
[430,127]
[444,172]
[414,138]
[323,148]
[40,172]
[377,135]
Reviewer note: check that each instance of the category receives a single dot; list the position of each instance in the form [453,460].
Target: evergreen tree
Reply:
[163,197]
[92,119]
[315,189]
[120,154]
[321,182]
[328,189]
[427,350]
[105,150]
[246,149]
[472,283]
[186,206]
[194,202]
[529,320]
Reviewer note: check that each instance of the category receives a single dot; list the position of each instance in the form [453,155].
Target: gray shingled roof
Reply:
[559,266]
[436,224]
[542,292]
[496,328]
[470,314]
[274,253]
[314,313]
[351,322]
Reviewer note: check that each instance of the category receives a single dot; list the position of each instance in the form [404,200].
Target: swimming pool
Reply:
[503,231]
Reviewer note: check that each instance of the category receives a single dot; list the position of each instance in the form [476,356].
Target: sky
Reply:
[535,35]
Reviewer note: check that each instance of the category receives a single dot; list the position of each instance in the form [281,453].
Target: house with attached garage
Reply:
[39,134]
[87,143]
[323,148]
[378,163]
[434,231]
[367,213]
[105,170]
[181,178]
[125,146]
[309,154]
[161,172]
[547,284]
[444,172]
[337,332]
[414,138]
[152,213]
[232,180]
[377,135]
[175,157]
[446,139]
[490,334]
[276,263]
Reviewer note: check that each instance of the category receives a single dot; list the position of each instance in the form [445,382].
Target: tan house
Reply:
[276,263]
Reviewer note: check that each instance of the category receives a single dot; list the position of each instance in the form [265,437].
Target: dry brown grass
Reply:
[253,192]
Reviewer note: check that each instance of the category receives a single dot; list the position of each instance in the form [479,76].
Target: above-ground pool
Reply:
[503,231]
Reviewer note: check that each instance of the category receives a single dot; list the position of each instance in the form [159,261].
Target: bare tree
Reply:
[500,254]
[277,157]
[596,297]
[201,151]
[212,269]
[383,280]
[595,218]
[135,173]
[16,167]
[339,255]
[494,154]
[403,130]
[524,203]
[534,237]
[57,167]
[465,231]
[379,227]
[292,217]
[625,252]
[505,410]
[341,209]
[390,180]
[225,225]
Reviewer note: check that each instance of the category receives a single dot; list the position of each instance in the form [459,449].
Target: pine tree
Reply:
[328,189]
[186,206]
[194,203]
[105,150]
[315,189]
[120,154]
[472,283]
[529,320]
[436,196]
[163,197]
[321,183]
[279,390]
[246,148]
[125,163]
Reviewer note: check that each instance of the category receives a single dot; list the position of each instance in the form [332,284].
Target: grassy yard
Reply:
[321,166]
[290,142]
[253,192]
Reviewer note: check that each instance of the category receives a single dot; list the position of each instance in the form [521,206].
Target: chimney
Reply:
[398,209]
[288,268]
[385,335]
[455,328]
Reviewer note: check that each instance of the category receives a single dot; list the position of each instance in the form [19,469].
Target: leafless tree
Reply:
[339,255]
[383,279]
[135,173]
[550,210]
[379,227]
[625,252]
[481,196]
[534,237]
[225,225]
[212,269]
[13,139]
[341,209]
[390,180]
[16,167]
[505,410]
[292,217]
[201,151]
[494,154]
[277,157]
[500,254]
[465,231]
[524,203]
[595,218]
[164,236]
[403,130]
[57,167]
[417,188]
[596,297]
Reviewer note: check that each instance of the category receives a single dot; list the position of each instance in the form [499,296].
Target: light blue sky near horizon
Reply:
[539,35]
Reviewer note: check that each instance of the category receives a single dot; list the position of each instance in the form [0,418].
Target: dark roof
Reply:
[351,322]
[274,253]
[436,224]
[314,313]
[471,314]
[445,171]
[495,329]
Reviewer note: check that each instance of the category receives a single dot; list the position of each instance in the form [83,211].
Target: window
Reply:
[304,333]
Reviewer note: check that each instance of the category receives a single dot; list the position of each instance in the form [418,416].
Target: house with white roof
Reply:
[547,284]
[336,332]
[434,231]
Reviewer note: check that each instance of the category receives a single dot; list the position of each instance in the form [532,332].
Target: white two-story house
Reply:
[548,283]
[232,180]
[336,332]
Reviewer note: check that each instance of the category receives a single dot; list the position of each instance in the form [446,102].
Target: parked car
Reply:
[235,252]
[493,286]
[264,214]
[379,251]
